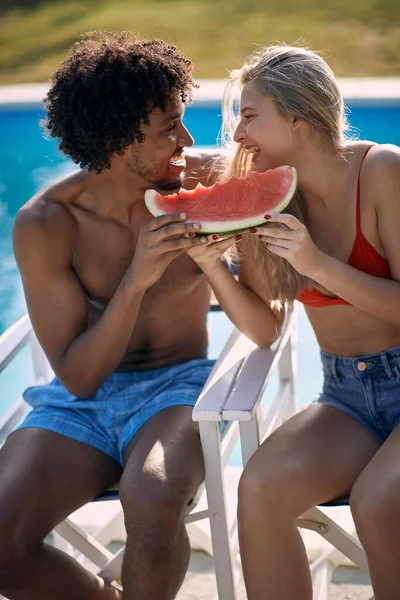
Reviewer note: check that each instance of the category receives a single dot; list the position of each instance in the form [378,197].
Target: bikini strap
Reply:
[358,208]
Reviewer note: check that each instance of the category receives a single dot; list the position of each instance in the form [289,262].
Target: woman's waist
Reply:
[349,333]
[385,363]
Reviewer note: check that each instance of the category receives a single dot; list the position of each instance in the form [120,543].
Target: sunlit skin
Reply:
[321,453]
[165,138]
[262,125]
[328,184]
[109,288]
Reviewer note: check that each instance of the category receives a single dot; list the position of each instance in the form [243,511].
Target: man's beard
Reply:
[165,185]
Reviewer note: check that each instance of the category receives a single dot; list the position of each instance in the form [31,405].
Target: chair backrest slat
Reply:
[13,340]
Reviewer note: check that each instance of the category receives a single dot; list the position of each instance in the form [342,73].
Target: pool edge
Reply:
[356,92]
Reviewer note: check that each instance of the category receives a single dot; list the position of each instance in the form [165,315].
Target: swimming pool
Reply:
[28,162]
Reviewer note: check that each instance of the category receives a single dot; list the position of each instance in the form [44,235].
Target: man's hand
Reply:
[160,242]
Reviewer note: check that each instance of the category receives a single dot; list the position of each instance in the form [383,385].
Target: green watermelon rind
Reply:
[225,228]
[231,232]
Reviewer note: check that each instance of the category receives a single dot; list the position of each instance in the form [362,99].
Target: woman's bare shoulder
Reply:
[381,174]
[384,158]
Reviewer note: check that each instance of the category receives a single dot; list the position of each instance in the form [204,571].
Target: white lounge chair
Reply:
[232,393]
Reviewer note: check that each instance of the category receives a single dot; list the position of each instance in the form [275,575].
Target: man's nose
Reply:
[185,137]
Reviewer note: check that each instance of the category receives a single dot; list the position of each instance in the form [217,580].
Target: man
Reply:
[120,310]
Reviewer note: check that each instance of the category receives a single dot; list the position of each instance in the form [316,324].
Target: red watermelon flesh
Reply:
[230,206]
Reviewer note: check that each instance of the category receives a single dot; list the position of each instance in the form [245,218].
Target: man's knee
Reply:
[16,549]
[163,470]
[150,499]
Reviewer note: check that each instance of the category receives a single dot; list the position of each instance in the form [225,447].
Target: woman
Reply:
[340,256]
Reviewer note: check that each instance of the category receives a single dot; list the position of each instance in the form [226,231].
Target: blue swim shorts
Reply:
[366,387]
[109,419]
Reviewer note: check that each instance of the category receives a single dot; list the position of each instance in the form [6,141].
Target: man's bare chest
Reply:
[101,258]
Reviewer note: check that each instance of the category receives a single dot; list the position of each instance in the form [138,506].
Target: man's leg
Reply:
[44,477]
[164,467]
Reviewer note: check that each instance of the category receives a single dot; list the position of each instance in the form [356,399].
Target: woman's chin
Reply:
[263,163]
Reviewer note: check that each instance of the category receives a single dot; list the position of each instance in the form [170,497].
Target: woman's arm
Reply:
[374,295]
[246,301]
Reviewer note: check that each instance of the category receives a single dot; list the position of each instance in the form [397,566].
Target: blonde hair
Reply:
[301,84]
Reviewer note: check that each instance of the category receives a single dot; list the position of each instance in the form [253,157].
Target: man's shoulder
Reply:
[50,208]
[47,218]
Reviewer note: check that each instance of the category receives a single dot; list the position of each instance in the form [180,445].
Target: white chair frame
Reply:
[232,393]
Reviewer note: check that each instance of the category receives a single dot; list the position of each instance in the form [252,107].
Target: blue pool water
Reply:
[28,161]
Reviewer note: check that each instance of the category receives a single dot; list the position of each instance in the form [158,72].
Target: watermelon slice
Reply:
[230,206]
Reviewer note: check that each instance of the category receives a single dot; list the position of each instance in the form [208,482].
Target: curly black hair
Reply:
[106,88]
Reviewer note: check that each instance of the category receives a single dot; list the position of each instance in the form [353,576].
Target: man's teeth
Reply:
[178,162]
[252,149]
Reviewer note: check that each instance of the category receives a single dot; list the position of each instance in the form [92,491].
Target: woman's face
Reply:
[263,131]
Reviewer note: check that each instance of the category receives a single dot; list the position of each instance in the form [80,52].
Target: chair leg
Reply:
[318,521]
[84,543]
[112,570]
[321,580]
[223,559]
[249,438]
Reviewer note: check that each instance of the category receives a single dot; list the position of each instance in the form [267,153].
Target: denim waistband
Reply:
[388,360]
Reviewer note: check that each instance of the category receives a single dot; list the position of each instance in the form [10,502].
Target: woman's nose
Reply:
[239,134]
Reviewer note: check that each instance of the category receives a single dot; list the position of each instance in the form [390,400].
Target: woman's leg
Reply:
[314,457]
[375,504]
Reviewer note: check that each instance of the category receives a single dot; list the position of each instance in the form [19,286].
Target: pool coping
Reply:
[363,91]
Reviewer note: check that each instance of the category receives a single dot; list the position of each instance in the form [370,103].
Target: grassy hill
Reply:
[357,37]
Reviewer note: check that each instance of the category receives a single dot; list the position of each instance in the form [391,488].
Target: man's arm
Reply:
[82,357]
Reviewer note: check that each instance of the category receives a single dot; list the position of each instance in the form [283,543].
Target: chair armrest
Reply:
[12,341]
[12,417]
[216,390]
[257,369]
[235,386]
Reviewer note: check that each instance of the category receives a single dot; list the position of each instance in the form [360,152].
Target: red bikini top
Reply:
[363,257]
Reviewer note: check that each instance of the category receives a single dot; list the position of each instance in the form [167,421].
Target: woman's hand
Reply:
[208,256]
[292,242]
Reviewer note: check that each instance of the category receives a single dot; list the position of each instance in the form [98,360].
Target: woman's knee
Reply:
[375,509]
[266,488]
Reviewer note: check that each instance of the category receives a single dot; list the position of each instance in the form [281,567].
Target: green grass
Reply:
[357,37]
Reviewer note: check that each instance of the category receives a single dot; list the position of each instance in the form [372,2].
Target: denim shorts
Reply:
[367,388]
[109,419]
